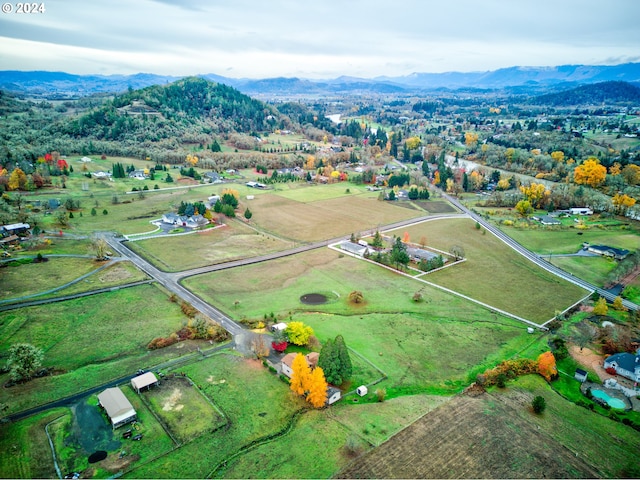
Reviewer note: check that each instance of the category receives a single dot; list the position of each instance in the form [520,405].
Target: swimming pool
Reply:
[613,402]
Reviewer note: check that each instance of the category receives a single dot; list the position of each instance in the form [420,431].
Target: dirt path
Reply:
[589,359]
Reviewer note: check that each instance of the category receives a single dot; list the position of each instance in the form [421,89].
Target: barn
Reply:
[118,408]
[144,380]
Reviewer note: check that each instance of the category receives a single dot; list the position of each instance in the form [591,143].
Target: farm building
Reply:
[144,380]
[580,375]
[14,229]
[625,364]
[354,248]
[548,220]
[333,395]
[118,408]
[417,254]
[607,251]
[580,211]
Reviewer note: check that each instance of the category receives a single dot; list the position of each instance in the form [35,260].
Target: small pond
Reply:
[613,402]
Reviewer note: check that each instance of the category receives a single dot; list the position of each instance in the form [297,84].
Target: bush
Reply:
[381,393]
[501,380]
[539,404]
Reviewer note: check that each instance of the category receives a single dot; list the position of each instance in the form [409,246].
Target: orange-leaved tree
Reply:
[300,378]
[590,172]
[317,391]
[547,366]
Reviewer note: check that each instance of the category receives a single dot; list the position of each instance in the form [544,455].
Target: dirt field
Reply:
[473,437]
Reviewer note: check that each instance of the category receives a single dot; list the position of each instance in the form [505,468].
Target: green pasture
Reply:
[183,408]
[493,273]
[579,429]
[24,448]
[592,269]
[233,241]
[308,193]
[570,240]
[255,402]
[55,272]
[410,342]
[88,341]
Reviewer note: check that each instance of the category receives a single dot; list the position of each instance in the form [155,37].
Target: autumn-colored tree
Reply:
[317,388]
[356,297]
[547,366]
[536,193]
[405,237]
[524,208]
[622,202]
[590,172]
[436,178]
[259,346]
[300,375]
[601,307]
[631,174]
[503,184]
[230,191]
[192,160]
[17,179]
[558,156]
[615,169]
[618,305]
[298,333]
[310,164]
[471,139]
[413,142]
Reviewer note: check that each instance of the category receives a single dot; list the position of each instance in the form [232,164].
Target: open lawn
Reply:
[183,408]
[24,448]
[55,272]
[496,435]
[422,334]
[494,273]
[211,246]
[592,269]
[308,193]
[88,341]
[324,219]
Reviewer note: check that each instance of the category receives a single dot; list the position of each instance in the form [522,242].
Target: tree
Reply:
[248,214]
[377,240]
[618,305]
[601,307]
[457,251]
[346,367]
[259,346]
[590,172]
[399,254]
[356,297]
[24,360]
[317,388]
[99,247]
[300,374]
[17,179]
[335,361]
[538,404]
[547,366]
[524,208]
[537,194]
[471,139]
[298,333]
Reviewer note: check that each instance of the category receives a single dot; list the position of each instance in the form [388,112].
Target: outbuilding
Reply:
[145,380]
[333,395]
[362,390]
[117,406]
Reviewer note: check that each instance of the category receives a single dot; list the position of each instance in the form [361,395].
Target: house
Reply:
[101,175]
[196,221]
[418,254]
[548,220]
[255,185]
[144,380]
[212,177]
[212,200]
[171,218]
[354,248]
[333,395]
[14,229]
[580,211]
[287,362]
[138,175]
[118,408]
[278,326]
[625,364]
[606,251]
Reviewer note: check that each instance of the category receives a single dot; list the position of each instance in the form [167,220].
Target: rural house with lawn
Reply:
[625,365]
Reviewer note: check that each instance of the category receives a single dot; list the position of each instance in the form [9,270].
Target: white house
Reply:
[118,408]
[625,364]
[580,211]
[333,395]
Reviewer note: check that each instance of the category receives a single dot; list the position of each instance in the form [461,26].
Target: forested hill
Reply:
[191,106]
[611,93]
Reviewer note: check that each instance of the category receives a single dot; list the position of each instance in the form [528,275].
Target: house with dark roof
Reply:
[418,254]
[625,364]
[548,220]
[14,229]
[607,251]
[333,395]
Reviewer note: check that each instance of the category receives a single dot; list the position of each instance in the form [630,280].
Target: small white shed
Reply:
[362,390]
[278,326]
[530,330]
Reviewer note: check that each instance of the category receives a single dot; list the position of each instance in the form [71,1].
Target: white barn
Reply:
[118,408]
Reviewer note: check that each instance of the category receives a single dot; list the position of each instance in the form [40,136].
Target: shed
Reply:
[278,326]
[118,408]
[144,380]
[580,375]
[333,395]
[530,330]
[362,390]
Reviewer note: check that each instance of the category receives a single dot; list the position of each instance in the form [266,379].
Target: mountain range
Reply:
[512,80]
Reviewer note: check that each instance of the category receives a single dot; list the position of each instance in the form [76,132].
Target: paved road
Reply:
[536,258]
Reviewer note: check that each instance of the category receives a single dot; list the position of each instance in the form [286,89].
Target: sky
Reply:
[316,39]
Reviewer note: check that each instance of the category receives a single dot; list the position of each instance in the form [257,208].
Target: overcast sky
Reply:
[317,38]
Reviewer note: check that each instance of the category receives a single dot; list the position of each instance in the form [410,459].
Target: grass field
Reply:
[494,273]
[496,435]
[183,409]
[42,276]
[87,341]
[592,269]
[422,334]
[231,242]
[324,219]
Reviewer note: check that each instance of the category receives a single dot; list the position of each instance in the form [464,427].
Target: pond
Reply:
[613,402]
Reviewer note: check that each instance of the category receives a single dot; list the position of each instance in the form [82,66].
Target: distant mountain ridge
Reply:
[518,78]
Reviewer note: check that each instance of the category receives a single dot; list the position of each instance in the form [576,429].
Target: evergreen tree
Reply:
[215,146]
[346,367]
[328,360]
